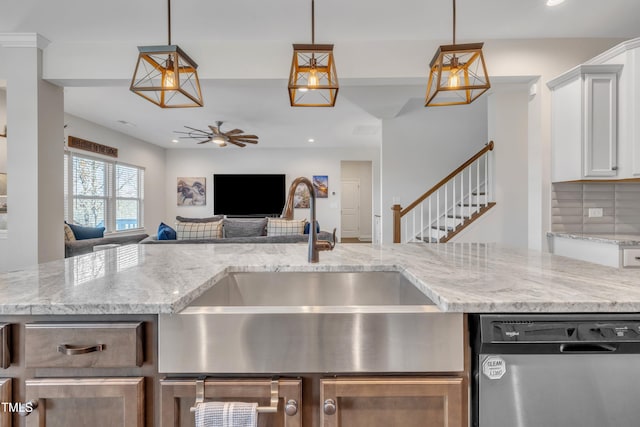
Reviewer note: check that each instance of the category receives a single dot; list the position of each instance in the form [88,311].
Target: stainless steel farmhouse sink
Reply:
[333,322]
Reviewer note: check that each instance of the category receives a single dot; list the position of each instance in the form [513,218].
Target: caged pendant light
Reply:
[313,81]
[458,73]
[166,75]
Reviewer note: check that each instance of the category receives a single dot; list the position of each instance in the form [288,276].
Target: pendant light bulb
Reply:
[313,81]
[169,76]
[454,74]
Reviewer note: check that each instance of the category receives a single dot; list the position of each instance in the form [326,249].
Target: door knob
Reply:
[329,406]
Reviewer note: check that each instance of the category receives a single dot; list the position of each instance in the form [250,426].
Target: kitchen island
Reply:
[463,277]
[116,296]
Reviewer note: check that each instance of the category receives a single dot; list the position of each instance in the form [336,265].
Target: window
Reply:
[103,193]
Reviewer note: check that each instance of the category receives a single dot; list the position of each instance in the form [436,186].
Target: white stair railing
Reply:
[449,205]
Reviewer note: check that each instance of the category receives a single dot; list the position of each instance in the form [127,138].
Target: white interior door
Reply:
[350,205]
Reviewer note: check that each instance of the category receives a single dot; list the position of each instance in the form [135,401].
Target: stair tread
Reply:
[442,228]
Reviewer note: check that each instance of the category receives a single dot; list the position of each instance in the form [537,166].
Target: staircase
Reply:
[450,206]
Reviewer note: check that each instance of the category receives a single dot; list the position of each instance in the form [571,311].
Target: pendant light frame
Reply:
[166,76]
[313,81]
[458,73]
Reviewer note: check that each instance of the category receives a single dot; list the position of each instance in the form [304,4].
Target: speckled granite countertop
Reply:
[614,239]
[142,279]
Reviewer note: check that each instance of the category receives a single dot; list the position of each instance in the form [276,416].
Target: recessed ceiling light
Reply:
[175,141]
[311,140]
[554,2]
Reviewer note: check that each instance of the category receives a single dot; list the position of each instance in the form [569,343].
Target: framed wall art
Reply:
[192,191]
[321,185]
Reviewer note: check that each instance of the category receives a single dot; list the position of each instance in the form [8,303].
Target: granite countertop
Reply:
[612,238]
[458,277]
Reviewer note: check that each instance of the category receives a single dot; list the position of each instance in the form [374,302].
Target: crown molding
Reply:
[615,51]
[575,72]
[23,40]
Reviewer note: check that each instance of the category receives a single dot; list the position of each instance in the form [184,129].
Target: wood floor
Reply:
[351,240]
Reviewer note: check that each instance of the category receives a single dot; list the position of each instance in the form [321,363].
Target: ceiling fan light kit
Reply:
[313,81]
[458,73]
[166,75]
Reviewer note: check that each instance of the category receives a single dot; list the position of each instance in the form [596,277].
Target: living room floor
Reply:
[352,240]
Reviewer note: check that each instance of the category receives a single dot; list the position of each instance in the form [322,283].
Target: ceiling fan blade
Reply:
[249,141]
[206,140]
[247,136]
[234,132]
[239,144]
[198,130]
[215,130]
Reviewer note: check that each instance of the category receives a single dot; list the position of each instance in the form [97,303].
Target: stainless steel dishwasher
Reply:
[556,370]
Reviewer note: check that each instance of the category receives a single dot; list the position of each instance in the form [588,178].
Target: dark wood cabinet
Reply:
[81,402]
[385,402]
[178,396]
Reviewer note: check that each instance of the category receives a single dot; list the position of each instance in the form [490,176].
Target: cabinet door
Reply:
[394,402]
[5,396]
[178,396]
[600,124]
[81,402]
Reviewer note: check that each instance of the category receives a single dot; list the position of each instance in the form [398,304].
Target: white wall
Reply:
[362,172]
[423,145]
[131,151]
[506,222]
[3,121]
[292,162]
[34,111]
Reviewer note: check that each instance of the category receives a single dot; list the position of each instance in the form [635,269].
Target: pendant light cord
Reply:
[313,22]
[454,22]
[169,19]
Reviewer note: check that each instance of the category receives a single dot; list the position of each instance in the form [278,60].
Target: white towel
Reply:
[226,414]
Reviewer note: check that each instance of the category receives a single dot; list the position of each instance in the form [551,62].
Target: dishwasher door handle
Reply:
[588,348]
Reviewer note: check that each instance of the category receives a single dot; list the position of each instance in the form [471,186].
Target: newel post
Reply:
[396,223]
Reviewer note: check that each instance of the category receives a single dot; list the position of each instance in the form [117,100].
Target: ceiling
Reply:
[261,106]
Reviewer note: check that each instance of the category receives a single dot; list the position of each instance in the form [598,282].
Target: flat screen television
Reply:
[248,195]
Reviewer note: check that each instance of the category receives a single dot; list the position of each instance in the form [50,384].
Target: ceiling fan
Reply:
[234,136]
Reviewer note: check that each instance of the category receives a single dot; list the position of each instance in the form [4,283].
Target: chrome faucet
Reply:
[315,245]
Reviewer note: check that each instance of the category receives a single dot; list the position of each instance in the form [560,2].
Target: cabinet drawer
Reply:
[5,396]
[83,345]
[5,342]
[631,257]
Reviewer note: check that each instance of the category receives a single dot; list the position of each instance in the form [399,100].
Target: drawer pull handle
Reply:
[638,258]
[73,350]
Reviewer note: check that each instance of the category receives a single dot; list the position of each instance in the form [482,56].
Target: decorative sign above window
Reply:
[94,147]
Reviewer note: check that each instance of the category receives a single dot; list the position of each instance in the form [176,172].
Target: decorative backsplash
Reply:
[620,204]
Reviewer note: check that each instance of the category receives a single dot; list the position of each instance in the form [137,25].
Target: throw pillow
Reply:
[198,220]
[284,227]
[84,233]
[235,227]
[165,232]
[307,227]
[198,230]
[68,234]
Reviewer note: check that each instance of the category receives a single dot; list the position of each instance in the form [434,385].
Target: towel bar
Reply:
[273,402]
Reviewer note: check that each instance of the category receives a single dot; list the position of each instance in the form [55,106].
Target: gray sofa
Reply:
[79,247]
[296,238]
[238,230]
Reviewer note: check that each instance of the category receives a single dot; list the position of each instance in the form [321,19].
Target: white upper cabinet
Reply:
[594,117]
[584,123]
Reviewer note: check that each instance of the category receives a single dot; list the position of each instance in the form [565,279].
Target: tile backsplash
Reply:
[619,202]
